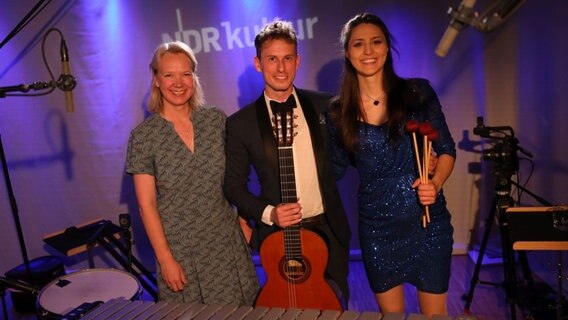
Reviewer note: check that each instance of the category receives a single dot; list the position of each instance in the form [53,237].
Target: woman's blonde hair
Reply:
[197,100]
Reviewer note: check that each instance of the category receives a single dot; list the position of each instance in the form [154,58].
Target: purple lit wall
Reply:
[68,168]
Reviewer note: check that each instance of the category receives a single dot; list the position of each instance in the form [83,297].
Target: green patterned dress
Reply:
[201,227]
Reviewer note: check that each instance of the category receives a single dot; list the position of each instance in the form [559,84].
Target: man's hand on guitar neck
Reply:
[286,214]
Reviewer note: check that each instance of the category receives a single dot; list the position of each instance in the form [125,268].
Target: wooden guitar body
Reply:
[293,258]
[296,282]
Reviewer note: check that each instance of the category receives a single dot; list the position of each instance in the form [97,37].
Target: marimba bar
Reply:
[123,309]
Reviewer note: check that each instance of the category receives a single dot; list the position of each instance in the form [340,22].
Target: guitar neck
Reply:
[287,175]
[292,240]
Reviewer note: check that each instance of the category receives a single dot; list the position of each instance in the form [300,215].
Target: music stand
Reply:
[106,234]
[541,228]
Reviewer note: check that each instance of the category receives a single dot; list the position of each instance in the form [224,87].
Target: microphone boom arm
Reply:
[496,15]
[27,87]
[465,15]
[66,82]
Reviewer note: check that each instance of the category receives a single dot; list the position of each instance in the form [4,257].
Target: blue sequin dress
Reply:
[395,248]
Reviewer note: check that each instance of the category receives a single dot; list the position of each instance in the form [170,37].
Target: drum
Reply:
[44,270]
[89,286]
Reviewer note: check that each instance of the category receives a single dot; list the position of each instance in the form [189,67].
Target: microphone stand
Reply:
[14,207]
[124,222]
[62,83]
[27,87]
[13,203]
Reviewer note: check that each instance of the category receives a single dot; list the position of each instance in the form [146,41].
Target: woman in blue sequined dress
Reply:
[367,124]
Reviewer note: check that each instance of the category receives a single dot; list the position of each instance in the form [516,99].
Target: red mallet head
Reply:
[425,128]
[412,125]
[432,135]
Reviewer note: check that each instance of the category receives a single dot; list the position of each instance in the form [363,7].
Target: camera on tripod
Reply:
[503,155]
[505,146]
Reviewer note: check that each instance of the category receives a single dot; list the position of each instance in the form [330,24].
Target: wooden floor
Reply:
[488,302]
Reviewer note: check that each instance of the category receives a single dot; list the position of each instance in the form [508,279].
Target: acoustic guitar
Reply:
[293,258]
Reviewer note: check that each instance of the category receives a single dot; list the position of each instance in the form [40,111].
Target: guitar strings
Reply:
[286,172]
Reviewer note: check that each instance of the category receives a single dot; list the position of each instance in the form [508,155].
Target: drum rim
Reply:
[42,310]
[85,271]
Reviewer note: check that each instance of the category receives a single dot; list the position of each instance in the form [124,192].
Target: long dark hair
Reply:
[345,111]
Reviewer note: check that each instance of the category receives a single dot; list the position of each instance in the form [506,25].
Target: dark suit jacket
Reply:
[250,142]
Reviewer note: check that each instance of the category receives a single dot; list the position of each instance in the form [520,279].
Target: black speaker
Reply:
[44,270]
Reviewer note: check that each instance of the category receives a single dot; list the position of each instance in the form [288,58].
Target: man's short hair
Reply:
[277,29]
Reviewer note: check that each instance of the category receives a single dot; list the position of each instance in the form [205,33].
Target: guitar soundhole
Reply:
[295,270]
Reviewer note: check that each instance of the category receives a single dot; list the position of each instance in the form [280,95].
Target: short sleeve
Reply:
[139,155]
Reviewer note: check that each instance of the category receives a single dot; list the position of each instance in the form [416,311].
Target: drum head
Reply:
[88,286]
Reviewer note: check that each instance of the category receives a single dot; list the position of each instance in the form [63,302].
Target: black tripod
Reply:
[501,201]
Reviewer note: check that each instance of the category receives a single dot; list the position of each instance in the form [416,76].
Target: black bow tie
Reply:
[283,107]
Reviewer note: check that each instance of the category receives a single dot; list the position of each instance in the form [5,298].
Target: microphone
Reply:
[459,21]
[481,130]
[66,81]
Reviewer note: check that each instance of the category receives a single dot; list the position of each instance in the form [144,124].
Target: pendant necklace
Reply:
[375,101]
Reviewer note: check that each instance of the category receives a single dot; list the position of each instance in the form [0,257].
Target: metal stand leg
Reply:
[560,295]
[107,240]
[468,297]
[510,276]
[124,222]
[500,204]
[4,307]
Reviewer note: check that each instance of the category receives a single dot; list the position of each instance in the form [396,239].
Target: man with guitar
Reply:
[308,203]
